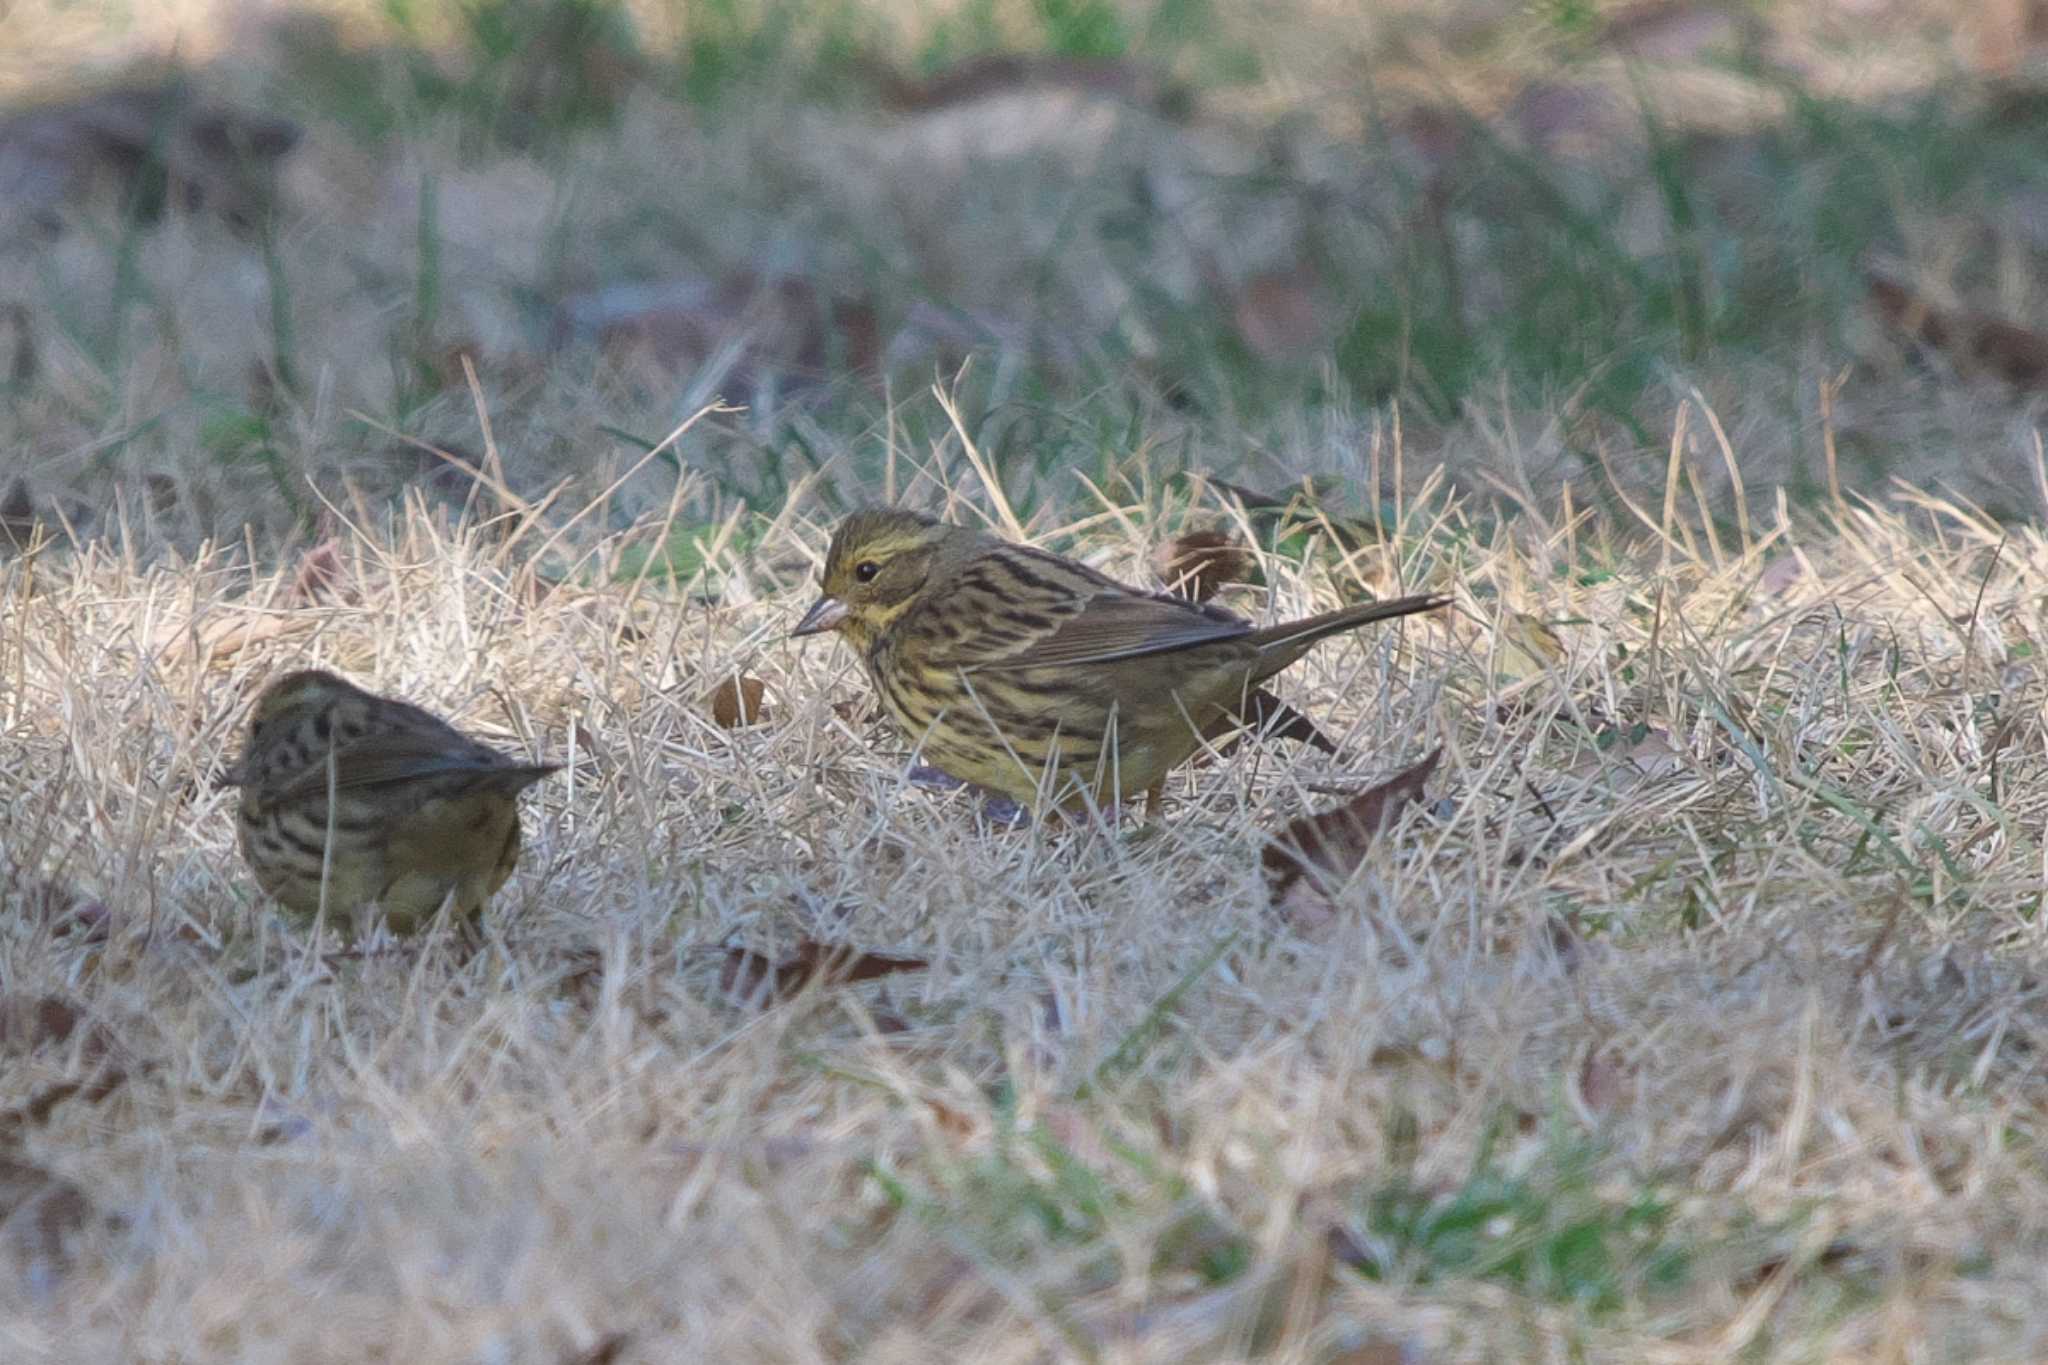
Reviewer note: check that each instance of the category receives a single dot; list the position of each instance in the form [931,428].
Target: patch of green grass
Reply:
[1034,1195]
[519,74]
[733,48]
[1554,1232]
[688,552]
[237,439]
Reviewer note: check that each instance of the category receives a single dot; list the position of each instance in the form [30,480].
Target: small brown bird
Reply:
[1014,667]
[374,799]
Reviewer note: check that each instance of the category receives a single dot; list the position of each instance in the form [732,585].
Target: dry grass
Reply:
[1693,1016]
[1720,1039]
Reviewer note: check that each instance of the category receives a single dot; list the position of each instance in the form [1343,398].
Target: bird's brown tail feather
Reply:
[1284,643]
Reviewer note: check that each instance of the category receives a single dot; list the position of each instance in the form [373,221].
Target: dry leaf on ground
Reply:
[1284,314]
[999,73]
[737,702]
[39,1210]
[1197,564]
[1970,341]
[748,974]
[1335,842]
[751,324]
[17,516]
[30,1023]
[1604,1082]
[606,1350]
[319,576]
[152,144]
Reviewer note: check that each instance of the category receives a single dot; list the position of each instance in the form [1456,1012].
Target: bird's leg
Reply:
[1264,711]
[1001,811]
[1155,800]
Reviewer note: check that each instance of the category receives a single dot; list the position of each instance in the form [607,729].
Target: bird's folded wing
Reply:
[391,758]
[1116,625]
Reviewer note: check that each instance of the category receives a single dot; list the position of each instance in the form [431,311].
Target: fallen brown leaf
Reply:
[154,143]
[953,1122]
[1282,313]
[1605,1080]
[319,576]
[606,1350]
[27,1022]
[1971,341]
[993,74]
[1335,841]
[737,702]
[30,1023]
[17,516]
[1197,564]
[749,976]
[163,495]
[755,323]
[39,1211]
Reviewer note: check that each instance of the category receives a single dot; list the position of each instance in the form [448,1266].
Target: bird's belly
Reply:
[457,834]
[1005,730]
[293,856]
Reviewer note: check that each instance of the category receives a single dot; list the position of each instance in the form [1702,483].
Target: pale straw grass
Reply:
[1770,972]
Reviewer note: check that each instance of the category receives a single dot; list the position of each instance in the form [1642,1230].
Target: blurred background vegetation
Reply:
[265,266]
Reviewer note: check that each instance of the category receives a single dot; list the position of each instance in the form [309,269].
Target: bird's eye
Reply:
[866,570]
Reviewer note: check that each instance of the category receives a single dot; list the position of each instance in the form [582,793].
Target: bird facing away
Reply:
[1012,666]
[377,800]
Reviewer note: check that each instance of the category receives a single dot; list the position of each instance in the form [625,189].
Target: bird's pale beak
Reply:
[827,613]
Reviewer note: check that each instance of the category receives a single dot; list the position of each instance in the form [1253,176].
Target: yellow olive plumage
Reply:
[1012,667]
[374,800]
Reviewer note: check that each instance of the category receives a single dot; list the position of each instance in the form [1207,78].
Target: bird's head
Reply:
[879,560]
[308,689]
[282,704]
